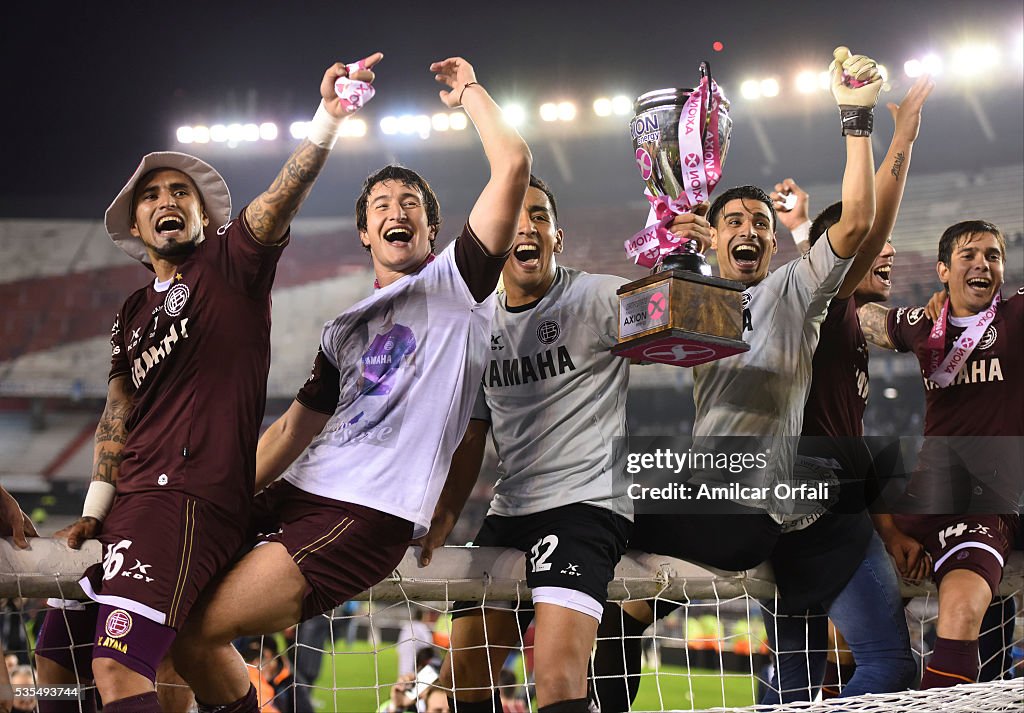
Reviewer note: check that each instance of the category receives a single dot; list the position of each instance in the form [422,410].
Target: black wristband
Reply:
[857,120]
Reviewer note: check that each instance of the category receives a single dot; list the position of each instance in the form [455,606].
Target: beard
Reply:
[178,250]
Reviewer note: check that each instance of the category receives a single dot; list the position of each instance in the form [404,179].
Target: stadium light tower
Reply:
[975,60]
[750,89]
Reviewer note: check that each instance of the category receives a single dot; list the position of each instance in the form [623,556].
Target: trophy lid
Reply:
[661,97]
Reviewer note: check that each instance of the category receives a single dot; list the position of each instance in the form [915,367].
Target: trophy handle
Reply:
[705,70]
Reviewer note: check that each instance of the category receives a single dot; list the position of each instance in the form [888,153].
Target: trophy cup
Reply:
[680,314]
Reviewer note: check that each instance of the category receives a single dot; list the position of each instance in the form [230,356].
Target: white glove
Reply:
[855,79]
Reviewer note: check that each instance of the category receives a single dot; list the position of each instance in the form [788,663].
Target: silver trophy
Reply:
[655,133]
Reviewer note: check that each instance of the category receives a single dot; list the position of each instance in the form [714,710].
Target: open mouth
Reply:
[883,273]
[746,255]
[527,254]
[398,235]
[979,283]
[170,224]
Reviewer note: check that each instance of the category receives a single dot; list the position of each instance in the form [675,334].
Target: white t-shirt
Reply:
[410,359]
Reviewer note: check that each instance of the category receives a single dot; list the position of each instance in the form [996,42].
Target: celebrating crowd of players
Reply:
[384,442]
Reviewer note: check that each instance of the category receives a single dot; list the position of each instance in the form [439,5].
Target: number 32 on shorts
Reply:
[541,551]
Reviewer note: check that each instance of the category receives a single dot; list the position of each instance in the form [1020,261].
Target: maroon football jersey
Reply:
[197,355]
[986,395]
[839,375]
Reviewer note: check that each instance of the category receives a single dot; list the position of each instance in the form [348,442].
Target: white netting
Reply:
[709,654]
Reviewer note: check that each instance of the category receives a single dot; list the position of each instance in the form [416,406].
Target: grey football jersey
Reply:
[556,399]
[760,394]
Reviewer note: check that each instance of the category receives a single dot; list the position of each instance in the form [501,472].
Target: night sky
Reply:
[91,86]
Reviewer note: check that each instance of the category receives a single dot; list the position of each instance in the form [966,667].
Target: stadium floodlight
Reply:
[440,122]
[912,68]
[250,132]
[622,105]
[185,134]
[750,89]
[883,71]
[890,393]
[515,114]
[549,111]
[458,121]
[389,125]
[218,133]
[769,87]
[353,128]
[932,64]
[973,60]
[806,82]
[201,134]
[603,106]
[566,111]
[268,131]
[298,129]
[234,134]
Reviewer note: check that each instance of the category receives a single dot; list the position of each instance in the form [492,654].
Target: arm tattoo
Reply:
[111,434]
[271,212]
[873,318]
[108,463]
[897,164]
[112,423]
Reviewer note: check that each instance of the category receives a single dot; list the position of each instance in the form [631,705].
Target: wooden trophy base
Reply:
[681,318]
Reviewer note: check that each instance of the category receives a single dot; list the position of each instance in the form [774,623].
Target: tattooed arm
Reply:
[890,181]
[873,318]
[111,434]
[270,213]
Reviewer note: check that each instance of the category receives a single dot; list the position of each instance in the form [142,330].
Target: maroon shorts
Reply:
[160,550]
[341,549]
[979,543]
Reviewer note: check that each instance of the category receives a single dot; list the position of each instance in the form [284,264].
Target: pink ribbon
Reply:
[942,373]
[701,155]
[354,94]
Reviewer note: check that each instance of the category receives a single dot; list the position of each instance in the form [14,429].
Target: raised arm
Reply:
[890,180]
[855,106]
[111,433]
[270,213]
[496,212]
[285,440]
[462,475]
[873,318]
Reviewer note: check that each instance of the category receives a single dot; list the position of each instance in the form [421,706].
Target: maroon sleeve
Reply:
[479,269]
[321,391]
[248,264]
[118,353]
[901,332]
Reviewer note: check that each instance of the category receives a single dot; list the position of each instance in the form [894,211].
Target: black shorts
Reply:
[574,547]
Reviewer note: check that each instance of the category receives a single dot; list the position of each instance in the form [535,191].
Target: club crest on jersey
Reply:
[176,298]
[988,338]
[118,624]
[548,332]
[914,316]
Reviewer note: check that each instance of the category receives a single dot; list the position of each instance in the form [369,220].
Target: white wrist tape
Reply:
[323,128]
[98,500]
[802,232]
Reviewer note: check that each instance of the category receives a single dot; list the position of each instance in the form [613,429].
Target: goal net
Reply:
[710,653]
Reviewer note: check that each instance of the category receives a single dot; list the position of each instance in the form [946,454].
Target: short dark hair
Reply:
[746,192]
[407,177]
[825,220]
[952,235]
[543,187]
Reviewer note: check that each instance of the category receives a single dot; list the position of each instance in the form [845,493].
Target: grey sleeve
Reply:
[481,411]
[602,306]
[819,274]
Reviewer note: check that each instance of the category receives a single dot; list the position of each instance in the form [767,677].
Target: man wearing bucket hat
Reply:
[176,442]
[392,389]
